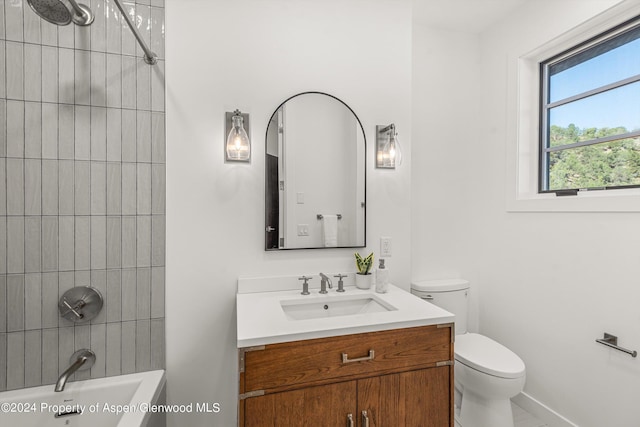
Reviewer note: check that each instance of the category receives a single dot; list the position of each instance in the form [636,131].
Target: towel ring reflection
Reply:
[320,216]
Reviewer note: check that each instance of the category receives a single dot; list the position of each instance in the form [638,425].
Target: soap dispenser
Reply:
[382,278]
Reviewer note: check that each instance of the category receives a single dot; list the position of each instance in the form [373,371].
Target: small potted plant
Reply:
[364,278]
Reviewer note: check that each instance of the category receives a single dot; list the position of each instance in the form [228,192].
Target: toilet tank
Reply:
[450,294]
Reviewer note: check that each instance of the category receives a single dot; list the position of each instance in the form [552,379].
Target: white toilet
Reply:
[487,374]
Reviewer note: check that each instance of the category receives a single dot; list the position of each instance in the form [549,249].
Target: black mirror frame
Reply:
[364,135]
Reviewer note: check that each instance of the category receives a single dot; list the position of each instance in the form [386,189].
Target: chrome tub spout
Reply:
[80,361]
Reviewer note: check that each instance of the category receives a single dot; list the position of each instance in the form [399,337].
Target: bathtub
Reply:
[122,401]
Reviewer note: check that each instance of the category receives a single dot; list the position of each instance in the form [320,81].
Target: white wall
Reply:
[215,211]
[551,282]
[445,129]
[544,284]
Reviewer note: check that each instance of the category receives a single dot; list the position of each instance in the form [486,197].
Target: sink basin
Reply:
[317,308]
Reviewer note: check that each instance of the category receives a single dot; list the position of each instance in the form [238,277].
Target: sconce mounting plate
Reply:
[382,139]
[227,128]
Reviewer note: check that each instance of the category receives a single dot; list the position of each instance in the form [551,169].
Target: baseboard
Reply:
[541,411]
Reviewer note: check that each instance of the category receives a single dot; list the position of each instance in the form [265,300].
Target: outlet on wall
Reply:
[303,229]
[385,247]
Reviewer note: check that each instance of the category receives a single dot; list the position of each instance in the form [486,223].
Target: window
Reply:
[590,114]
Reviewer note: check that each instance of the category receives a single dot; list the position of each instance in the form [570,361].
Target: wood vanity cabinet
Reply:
[394,378]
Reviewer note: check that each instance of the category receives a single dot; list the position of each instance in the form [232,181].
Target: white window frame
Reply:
[523,121]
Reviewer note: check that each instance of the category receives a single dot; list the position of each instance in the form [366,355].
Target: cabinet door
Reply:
[321,406]
[411,399]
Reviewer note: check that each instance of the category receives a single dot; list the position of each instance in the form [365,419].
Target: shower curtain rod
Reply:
[149,57]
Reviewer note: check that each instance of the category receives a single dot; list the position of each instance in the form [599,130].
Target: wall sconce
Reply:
[388,154]
[238,144]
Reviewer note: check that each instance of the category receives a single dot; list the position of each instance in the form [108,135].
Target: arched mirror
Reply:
[315,175]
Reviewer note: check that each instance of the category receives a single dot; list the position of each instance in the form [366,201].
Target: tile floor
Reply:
[524,419]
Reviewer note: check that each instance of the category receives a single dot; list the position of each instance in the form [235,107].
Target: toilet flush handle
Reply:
[428,297]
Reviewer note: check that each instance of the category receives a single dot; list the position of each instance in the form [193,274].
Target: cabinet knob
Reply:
[350,420]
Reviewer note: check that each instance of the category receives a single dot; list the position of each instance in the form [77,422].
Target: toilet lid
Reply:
[485,355]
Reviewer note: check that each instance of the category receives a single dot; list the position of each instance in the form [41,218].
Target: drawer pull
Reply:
[345,357]
[350,420]
[365,419]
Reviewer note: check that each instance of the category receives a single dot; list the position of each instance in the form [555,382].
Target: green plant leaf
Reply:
[364,264]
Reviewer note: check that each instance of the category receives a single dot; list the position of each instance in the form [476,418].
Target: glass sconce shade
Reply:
[238,146]
[388,153]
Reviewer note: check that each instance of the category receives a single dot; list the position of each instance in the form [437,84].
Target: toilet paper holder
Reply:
[612,341]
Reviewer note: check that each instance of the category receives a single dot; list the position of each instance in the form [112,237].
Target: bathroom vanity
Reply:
[376,360]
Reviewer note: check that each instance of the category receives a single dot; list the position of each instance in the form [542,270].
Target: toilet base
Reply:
[479,412]
[485,400]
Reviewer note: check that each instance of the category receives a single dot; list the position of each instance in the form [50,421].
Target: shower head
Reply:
[56,12]
[53,11]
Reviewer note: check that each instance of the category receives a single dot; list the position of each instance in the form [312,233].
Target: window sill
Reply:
[623,200]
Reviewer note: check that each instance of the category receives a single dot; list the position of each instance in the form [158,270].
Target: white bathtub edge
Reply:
[148,385]
[147,393]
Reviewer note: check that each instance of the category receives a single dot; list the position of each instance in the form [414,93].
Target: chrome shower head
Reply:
[56,12]
[53,11]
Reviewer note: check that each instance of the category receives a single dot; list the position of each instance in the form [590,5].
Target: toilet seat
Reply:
[485,355]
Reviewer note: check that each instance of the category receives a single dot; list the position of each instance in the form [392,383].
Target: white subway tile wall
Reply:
[82,190]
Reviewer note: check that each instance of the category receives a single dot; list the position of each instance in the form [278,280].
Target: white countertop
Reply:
[262,321]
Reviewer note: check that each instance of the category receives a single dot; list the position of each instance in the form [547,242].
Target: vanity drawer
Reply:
[283,366]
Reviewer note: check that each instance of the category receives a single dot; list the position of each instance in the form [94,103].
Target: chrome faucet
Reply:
[80,360]
[324,280]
